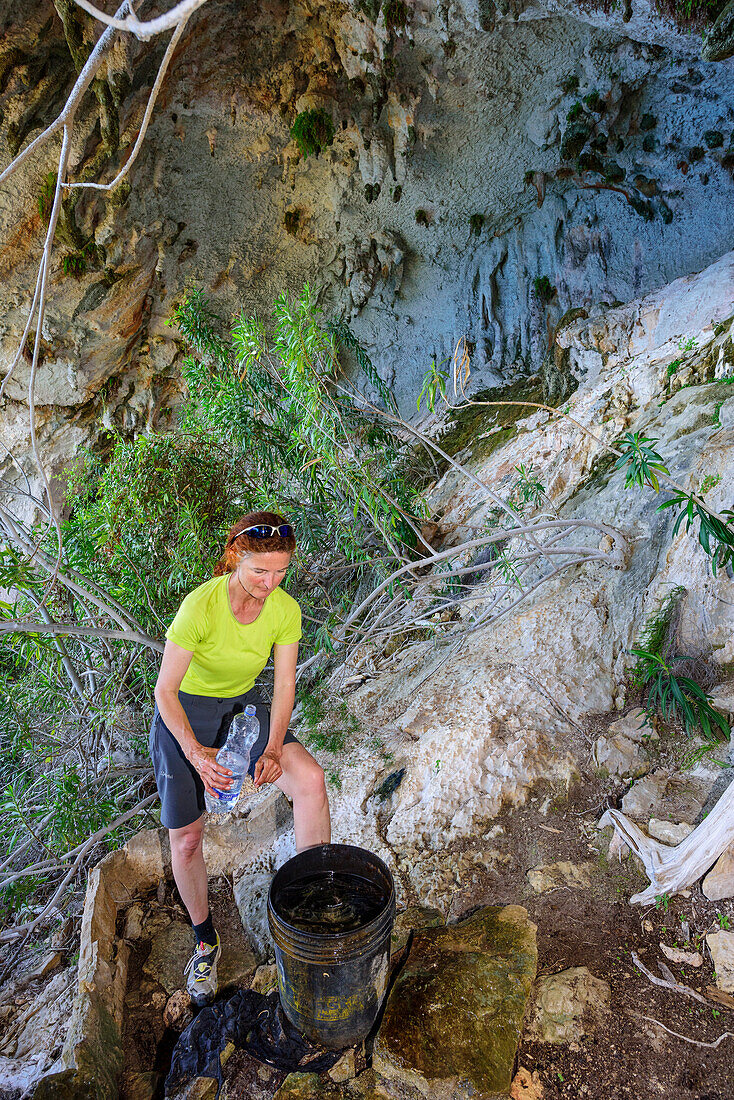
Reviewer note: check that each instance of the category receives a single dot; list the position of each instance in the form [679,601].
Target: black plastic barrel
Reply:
[331,985]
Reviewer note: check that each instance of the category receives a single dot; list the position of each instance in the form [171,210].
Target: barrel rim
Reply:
[319,938]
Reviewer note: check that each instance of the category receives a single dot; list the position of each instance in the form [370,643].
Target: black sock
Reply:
[205,932]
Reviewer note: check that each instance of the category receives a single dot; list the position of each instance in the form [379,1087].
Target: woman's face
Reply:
[259,574]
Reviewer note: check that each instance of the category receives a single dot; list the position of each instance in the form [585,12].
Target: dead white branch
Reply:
[668,983]
[79,630]
[148,29]
[11,934]
[685,1038]
[171,49]
[671,870]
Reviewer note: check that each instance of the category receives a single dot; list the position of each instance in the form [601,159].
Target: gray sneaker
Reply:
[201,970]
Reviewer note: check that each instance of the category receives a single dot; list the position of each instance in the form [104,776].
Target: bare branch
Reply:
[685,1038]
[175,39]
[675,987]
[11,934]
[130,22]
[12,626]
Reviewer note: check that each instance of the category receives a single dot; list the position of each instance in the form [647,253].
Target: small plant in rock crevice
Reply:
[674,696]
[46,196]
[544,289]
[312,131]
[329,725]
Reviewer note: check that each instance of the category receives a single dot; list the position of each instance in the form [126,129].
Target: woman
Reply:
[216,647]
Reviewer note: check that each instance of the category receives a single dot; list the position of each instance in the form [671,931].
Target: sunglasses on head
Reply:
[265,531]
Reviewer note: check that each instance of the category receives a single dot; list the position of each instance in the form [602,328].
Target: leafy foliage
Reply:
[716,537]
[46,196]
[678,697]
[434,385]
[641,462]
[544,289]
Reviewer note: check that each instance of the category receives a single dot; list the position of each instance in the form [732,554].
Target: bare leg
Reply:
[189,870]
[303,781]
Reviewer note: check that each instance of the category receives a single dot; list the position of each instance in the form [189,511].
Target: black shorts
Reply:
[179,784]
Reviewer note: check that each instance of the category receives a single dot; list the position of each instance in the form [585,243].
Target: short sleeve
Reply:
[189,625]
[289,629]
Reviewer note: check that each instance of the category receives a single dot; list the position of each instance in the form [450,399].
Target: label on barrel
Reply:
[341,1008]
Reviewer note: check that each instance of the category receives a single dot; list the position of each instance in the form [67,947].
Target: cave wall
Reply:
[457,198]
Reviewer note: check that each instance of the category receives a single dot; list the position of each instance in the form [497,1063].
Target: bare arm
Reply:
[173,668]
[285,659]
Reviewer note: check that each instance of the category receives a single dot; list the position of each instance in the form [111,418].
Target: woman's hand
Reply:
[268,768]
[213,775]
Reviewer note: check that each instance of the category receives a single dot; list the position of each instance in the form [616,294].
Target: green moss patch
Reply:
[484,428]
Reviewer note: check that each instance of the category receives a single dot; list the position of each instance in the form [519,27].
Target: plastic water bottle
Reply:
[235,756]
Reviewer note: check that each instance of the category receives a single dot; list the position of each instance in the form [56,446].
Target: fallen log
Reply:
[671,870]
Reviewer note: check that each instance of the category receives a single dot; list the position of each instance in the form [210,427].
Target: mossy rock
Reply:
[435,1035]
[482,429]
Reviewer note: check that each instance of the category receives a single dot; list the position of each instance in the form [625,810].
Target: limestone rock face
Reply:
[622,750]
[567,1004]
[454,1015]
[437,117]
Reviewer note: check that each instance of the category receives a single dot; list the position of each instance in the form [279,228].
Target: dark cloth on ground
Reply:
[255,1023]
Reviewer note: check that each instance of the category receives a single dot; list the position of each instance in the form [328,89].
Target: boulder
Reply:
[307,1086]
[265,978]
[719,882]
[644,795]
[567,1005]
[721,946]
[178,1012]
[526,1085]
[718,44]
[251,897]
[434,1035]
[411,920]
[346,1068]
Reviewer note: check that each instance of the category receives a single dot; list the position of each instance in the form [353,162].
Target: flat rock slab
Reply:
[568,1004]
[454,1016]
[172,947]
[552,876]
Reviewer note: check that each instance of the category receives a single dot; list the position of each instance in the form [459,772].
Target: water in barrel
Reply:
[330,902]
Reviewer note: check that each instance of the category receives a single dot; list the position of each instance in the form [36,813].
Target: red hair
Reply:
[239,543]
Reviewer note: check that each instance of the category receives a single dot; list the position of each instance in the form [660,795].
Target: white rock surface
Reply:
[668,832]
[621,751]
[721,946]
[719,882]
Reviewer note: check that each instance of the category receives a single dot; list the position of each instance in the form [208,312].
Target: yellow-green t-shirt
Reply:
[228,657]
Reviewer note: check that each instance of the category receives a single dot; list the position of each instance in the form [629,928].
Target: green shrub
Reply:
[312,131]
[544,289]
